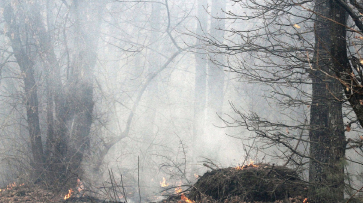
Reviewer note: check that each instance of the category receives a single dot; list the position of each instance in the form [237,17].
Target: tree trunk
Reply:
[80,85]
[71,102]
[22,53]
[327,147]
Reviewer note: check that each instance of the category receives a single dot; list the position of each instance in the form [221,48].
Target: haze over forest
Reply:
[169,89]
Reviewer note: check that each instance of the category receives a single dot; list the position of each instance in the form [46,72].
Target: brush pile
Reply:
[249,183]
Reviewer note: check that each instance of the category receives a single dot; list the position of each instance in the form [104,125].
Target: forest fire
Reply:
[251,164]
[67,196]
[163,183]
[121,93]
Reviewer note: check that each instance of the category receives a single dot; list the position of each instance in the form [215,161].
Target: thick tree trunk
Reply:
[31,100]
[80,86]
[327,147]
[22,54]
[64,149]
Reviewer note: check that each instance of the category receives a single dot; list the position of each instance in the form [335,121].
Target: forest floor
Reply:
[33,194]
[14,193]
[254,183]
[24,193]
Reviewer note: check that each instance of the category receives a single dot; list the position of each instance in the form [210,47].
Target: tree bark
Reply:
[22,53]
[327,139]
[80,85]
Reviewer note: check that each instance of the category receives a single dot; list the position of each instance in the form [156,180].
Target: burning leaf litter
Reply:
[246,166]
[185,199]
[67,196]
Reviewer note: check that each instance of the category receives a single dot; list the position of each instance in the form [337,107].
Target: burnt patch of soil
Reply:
[252,183]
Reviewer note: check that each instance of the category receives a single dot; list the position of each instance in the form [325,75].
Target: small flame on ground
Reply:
[196,176]
[163,183]
[185,199]
[67,196]
[178,190]
[245,166]
[305,200]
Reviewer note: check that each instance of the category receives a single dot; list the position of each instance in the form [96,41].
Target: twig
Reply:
[138,176]
[123,189]
[354,195]
[297,144]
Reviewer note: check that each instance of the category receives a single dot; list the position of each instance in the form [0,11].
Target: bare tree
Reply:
[281,46]
[69,94]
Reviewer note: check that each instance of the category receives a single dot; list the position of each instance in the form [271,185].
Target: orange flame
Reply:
[163,183]
[67,196]
[178,190]
[196,176]
[246,166]
[185,199]
[305,200]
[297,26]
